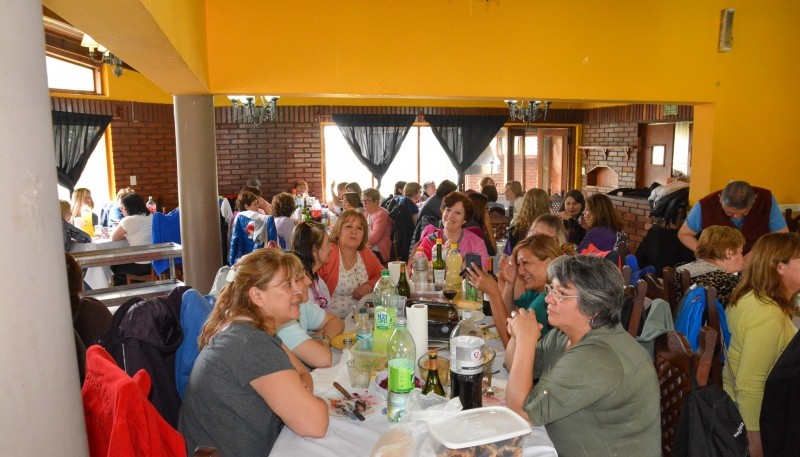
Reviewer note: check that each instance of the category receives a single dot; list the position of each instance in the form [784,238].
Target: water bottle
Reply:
[420,263]
[151,205]
[363,328]
[401,353]
[454,261]
[466,362]
[385,311]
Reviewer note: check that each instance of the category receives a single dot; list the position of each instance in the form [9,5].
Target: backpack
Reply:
[690,316]
[636,272]
[710,425]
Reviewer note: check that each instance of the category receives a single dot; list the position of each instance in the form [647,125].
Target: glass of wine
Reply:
[449,294]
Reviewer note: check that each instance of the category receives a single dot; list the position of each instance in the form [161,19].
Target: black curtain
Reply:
[464,138]
[375,139]
[75,136]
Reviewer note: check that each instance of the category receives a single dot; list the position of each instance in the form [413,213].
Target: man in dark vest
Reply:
[752,210]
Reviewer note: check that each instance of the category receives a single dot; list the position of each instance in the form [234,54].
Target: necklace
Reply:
[348,263]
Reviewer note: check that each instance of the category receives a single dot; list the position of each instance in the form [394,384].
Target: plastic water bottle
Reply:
[363,328]
[466,362]
[401,352]
[454,261]
[151,205]
[385,311]
[420,268]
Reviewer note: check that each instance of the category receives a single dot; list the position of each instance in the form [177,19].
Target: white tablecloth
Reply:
[354,438]
[98,277]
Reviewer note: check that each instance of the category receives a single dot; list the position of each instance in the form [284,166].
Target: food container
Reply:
[493,430]
[442,317]
[362,353]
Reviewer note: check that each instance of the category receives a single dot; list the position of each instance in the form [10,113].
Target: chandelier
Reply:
[255,110]
[106,56]
[535,110]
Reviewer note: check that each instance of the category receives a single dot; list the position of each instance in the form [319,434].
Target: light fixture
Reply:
[254,110]
[535,110]
[106,56]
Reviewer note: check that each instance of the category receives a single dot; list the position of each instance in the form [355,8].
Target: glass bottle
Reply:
[400,352]
[487,306]
[363,327]
[347,346]
[438,265]
[385,311]
[466,362]
[433,383]
[403,287]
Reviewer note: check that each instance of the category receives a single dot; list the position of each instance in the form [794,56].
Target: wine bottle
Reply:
[433,383]
[487,306]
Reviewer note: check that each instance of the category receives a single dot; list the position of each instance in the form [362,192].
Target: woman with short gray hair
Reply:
[596,389]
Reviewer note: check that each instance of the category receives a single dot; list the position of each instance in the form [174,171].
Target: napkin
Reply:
[324,377]
[418,327]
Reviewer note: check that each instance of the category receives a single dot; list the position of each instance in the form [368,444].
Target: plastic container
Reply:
[492,426]
[363,351]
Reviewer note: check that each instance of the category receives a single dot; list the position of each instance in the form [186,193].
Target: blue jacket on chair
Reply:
[243,243]
[194,311]
[166,227]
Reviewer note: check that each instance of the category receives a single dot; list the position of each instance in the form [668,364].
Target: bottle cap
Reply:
[466,314]
[363,309]
[401,321]
[453,245]
[438,241]
[385,273]
[432,354]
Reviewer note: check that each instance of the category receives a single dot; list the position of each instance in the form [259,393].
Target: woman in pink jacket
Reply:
[380,225]
[458,209]
[352,269]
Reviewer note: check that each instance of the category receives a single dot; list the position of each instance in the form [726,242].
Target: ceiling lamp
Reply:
[255,110]
[106,56]
[535,110]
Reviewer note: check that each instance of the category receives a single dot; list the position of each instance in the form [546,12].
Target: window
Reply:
[420,159]
[94,177]
[64,75]
[658,155]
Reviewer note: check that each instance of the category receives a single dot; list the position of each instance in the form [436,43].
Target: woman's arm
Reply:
[288,396]
[486,284]
[526,331]
[118,233]
[313,353]
[332,325]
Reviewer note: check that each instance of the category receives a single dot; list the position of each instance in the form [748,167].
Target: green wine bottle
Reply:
[403,288]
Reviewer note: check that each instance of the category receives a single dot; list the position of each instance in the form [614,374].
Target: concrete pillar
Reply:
[197,189]
[41,411]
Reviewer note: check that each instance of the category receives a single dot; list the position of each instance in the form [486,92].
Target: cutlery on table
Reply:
[354,410]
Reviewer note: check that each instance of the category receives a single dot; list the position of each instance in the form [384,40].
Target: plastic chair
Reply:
[675,362]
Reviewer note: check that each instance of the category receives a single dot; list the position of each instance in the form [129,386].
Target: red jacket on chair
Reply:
[120,421]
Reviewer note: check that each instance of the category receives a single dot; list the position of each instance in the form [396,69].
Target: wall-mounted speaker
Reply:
[726,30]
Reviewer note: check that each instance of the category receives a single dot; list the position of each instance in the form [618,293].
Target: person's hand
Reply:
[362,290]
[563,215]
[508,271]
[265,206]
[482,280]
[523,326]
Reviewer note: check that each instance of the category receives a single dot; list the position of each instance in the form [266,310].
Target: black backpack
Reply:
[710,425]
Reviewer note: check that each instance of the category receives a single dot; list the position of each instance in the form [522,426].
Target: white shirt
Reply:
[138,229]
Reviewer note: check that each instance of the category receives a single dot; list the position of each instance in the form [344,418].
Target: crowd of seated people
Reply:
[572,365]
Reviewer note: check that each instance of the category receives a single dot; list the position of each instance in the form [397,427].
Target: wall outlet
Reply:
[133,180]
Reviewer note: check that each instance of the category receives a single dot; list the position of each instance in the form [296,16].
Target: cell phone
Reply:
[472,260]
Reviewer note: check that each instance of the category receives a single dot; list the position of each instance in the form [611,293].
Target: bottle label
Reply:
[382,318]
[401,375]
[466,354]
[438,276]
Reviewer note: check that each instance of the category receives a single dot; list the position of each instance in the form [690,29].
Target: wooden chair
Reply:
[499,225]
[674,359]
[626,275]
[663,287]
[132,279]
[668,277]
[792,223]
[712,321]
[638,293]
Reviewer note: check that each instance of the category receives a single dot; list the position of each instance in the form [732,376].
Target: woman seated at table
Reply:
[605,225]
[457,212]
[283,205]
[550,224]
[71,233]
[719,261]
[570,211]
[337,191]
[82,197]
[352,270]
[529,262]
[311,245]
[481,219]
[351,201]
[245,384]
[597,391]
[759,318]
[379,223]
[136,227]
[534,204]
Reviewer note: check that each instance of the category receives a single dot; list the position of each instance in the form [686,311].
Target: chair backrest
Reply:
[639,294]
[675,361]
[626,274]
[166,227]
[668,281]
[499,224]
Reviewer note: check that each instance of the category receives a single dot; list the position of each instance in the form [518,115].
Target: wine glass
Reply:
[449,294]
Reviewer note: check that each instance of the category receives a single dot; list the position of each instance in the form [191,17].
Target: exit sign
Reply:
[670,110]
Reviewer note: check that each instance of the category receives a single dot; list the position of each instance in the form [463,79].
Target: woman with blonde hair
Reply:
[535,203]
[352,268]
[759,318]
[550,224]
[719,261]
[605,225]
[81,197]
[245,384]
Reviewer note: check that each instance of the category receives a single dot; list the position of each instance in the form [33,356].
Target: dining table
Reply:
[353,438]
[98,277]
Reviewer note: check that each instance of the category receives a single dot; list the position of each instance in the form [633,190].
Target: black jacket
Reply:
[780,420]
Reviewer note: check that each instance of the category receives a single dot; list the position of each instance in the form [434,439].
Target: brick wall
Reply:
[624,164]
[635,213]
[275,153]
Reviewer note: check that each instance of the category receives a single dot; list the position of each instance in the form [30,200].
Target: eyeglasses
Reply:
[558,296]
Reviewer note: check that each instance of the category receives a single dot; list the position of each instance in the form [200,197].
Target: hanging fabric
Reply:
[464,138]
[75,136]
